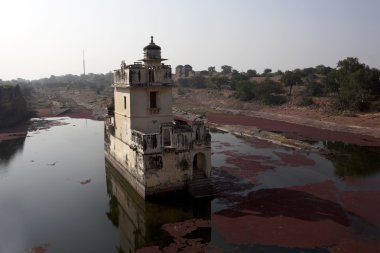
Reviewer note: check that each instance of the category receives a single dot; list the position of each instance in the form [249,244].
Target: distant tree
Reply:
[279,72]
[289,79]
[237,77]
[245,90]
[331,83]
[315,89]
[267,71]
[251,73]
[358,86]
[322,70]
[269,92]
[218,81]
[226,69]
[204,72]
[211,70]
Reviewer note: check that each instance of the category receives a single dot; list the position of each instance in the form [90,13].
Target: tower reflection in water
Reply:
[171,222]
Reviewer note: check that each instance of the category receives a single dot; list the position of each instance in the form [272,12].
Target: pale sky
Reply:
[40,38]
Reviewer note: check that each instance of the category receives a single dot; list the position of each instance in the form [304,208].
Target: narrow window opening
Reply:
[167,141]
[153,99]
[125,102]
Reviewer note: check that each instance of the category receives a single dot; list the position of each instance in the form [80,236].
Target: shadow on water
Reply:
[352,160]
[9,148]
[150,223]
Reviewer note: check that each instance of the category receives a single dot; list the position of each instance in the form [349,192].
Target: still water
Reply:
[57,194]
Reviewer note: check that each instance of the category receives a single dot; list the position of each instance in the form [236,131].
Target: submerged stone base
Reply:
[134,183]
[141,189]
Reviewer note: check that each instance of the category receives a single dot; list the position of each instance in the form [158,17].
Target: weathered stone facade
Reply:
[155,153]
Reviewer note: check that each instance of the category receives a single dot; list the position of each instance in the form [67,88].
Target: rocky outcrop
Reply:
[13,107]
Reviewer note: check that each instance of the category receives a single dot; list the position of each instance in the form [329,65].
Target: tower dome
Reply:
[152,52]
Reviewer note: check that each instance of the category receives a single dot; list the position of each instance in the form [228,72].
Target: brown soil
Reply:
[317,122]
[52,102]
[223,110]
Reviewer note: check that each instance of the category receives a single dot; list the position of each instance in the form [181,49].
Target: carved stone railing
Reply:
[146,143]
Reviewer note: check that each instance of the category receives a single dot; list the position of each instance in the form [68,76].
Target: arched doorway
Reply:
[199,166]
[199,161]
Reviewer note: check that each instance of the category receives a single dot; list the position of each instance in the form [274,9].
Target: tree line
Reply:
[352,85]
[97,82]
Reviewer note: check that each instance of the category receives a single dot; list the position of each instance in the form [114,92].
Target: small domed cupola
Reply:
[152,52]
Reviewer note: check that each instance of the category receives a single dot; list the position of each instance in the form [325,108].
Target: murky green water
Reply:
[56,192]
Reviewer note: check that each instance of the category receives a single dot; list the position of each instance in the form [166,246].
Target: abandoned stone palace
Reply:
[153,151]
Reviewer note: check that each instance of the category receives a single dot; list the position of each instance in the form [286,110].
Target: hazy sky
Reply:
[42,38]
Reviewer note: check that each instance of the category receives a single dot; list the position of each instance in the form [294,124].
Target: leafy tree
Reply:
[211,70]
[245,90]
[267,71]
[237,77]
[226,69]
[279,72]
[198,82]
[357,85]
[269,92]
[331,83]
[218,81]
[322,70]
[290,78]
[315,89]
[251,73]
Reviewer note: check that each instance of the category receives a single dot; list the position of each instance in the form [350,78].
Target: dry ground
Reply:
[318,115]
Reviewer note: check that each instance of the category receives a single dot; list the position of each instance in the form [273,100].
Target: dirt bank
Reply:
[223,110]
[292,130]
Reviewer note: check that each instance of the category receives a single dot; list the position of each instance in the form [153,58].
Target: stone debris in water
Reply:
[179,231]
[85,181]
[39,248]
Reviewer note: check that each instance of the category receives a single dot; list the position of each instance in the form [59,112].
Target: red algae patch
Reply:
[280,231]
[365,204]
[324,190]
[257,143]
[248,175]
[183,228]
[152,249]
[181,231]
[355,246]
[289,203]
[291,129]
[245,167]
[233,155]
[294,159]
[38,249]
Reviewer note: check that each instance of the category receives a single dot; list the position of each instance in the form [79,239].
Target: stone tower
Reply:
[154,152]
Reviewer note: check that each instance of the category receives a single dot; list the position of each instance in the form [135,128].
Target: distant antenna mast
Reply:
[84,65]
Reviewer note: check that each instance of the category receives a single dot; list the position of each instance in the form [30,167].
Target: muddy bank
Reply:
[291,130]
[21,130]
